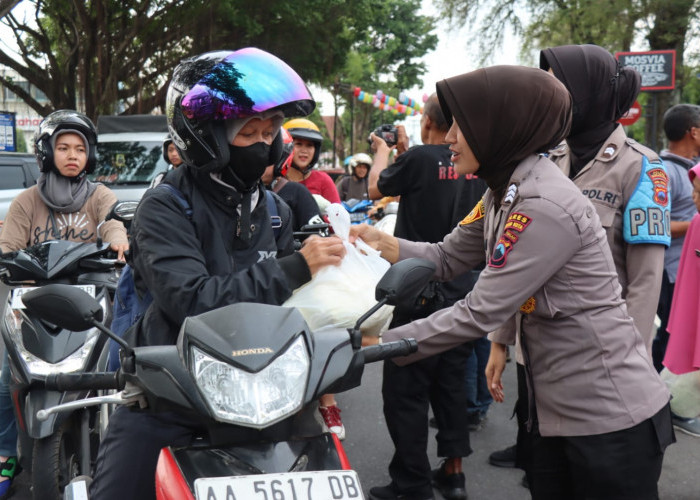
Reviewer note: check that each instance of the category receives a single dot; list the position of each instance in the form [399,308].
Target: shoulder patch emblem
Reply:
[528,306]
[515,225]
[477,213]
[647,215]
[660,180]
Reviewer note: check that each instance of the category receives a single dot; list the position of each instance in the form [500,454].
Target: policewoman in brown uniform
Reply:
[599,409]
[626,181]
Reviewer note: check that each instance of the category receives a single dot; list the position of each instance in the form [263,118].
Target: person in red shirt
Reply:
[307,149]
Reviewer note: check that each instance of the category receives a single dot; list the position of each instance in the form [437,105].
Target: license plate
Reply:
[310,485]
[17,293]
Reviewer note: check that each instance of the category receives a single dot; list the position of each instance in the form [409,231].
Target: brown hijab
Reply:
[506,113]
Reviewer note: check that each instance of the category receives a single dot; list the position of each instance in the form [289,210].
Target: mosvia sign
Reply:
[657,67]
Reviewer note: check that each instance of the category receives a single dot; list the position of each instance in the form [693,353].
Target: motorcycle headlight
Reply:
[253,399]
[37,366]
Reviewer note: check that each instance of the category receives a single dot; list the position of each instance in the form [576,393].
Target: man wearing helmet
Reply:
[307,149]
[434,198]
[355,186]
[63,205]
[225,123]
[301,202]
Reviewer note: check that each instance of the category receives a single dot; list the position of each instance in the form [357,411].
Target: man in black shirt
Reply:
[433,200]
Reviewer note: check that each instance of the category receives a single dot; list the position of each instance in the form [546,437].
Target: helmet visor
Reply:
[244,83]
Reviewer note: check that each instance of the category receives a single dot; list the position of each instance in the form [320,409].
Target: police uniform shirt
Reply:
[549,260]
[628,185]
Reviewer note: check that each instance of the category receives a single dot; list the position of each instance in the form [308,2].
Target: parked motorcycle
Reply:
[64,445]
[359,210]
[252,375]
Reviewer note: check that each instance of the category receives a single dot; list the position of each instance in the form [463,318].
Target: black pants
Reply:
[620,465]
[126,462]
[407,392]
[658,346]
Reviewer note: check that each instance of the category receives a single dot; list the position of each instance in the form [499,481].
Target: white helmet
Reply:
[360,159]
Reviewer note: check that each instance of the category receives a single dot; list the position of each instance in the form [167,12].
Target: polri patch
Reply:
[647,215]
[660,181]
[515,225]
[477,213]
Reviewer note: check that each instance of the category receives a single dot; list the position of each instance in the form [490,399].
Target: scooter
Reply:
[252,375]
[64,445]
[358,210]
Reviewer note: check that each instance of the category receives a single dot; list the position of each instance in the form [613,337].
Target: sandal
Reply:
[8,469]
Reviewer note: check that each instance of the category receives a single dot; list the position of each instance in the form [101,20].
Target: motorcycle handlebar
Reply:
[379,352]
[83,381]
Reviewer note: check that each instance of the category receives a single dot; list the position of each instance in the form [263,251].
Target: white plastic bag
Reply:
[685,390]
[339,295]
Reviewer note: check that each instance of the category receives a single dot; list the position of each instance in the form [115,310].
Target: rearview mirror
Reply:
[404,281]
[123,211]
[63,305]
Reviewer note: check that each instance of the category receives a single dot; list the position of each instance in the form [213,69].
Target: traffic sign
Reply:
[632,115]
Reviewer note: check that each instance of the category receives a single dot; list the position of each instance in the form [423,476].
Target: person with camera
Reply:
[433,199]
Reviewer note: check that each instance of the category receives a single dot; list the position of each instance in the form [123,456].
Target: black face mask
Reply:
[249,163]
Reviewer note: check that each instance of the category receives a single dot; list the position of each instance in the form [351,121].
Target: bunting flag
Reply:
[401,106]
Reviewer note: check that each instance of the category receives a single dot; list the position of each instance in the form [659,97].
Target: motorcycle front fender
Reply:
[321,452]
[36,400]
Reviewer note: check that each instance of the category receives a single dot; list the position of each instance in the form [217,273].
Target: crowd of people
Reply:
[555,234]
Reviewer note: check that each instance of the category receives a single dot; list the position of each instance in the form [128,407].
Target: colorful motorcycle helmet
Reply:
[360,159]
[287,154]
[64,119]
[208,89]
[301,128]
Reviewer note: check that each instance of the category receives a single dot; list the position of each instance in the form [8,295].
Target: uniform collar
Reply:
[611,147]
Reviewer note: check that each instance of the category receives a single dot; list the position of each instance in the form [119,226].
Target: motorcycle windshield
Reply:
[47,260]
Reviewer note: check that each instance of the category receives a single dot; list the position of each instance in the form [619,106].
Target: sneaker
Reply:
[389,492]
[503,458]
[331,417]
[8,469]
[450,486]
[689,426]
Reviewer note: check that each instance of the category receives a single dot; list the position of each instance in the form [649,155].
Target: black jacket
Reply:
[195,264]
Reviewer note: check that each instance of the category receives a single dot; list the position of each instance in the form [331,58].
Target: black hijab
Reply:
[506,113]
[601,92]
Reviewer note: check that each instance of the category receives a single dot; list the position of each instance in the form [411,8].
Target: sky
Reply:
[452,56]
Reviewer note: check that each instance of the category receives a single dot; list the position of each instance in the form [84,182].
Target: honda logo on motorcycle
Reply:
[254,350]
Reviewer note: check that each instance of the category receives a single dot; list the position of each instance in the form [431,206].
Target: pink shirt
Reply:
[683,350]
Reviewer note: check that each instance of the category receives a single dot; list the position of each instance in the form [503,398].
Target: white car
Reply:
[130,153]
[18,171]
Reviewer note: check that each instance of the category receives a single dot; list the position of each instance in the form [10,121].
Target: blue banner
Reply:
[8,132]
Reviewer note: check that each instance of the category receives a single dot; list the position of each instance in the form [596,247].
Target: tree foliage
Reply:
[116,56]
[385,57]
[613,24]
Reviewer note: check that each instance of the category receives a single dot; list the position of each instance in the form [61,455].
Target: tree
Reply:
[116,56]
[613,24]
[386,57]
